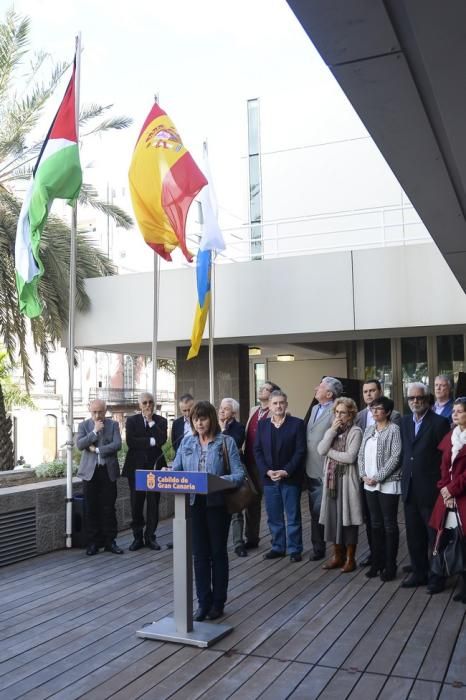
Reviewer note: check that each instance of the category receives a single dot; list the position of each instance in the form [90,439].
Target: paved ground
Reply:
[68,623]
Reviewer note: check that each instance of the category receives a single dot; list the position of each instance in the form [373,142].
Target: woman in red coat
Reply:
[452,482]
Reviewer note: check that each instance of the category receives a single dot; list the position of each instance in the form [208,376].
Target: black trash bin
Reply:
[79,536]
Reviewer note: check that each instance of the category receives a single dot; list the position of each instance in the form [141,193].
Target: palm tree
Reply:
[19,117]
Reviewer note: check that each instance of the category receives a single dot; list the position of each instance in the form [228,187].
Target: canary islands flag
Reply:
[212,239]
[56,175]
[163,181]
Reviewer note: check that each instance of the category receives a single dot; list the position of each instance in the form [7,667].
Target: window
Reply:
[128,375]
[255,187]
[450,355]
[259,378]
[378,363]
[413,363]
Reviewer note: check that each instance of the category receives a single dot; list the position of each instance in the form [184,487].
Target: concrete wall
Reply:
[382,288]
[48,500]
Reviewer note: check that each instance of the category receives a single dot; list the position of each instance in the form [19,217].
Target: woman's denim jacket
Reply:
[189,454]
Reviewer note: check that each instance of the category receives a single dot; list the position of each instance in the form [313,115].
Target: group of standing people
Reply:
[354,465]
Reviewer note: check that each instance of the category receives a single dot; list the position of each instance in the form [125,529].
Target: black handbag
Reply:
[236,500]
[448,556]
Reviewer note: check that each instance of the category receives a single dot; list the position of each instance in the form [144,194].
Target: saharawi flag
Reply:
[56,175]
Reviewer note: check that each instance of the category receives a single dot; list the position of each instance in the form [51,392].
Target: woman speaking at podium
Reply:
[203,451]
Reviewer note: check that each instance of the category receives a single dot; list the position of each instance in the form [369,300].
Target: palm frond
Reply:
[14,38]
[109,124]
[92,111]
[88,196]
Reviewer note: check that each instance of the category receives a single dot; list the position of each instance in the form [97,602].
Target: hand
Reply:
[147,413]
[91,448]
[337,424]
[369,482]
[450,503]
[98,426]
[277,474]
[445,493]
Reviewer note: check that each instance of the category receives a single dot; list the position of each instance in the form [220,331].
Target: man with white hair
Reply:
[443,405]
[146,432]
[317,422]
[421,433]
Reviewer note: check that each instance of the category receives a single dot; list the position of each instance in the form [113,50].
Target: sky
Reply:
[204,59]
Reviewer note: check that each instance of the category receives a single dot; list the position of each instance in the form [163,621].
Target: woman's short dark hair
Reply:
[204,409]
[273,387]
[386,403]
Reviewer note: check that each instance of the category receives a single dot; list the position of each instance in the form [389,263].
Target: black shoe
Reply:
[170,545]
[373,572]
[214,613]
[113,548]
[296,557]
[136,544]
[413,581]
[437,587]
[407,569]
[92,549]
[316,556]
[200,615]
[366,562]
[152,543]
[252,545]
[274,554]
[241,551]
[460,597]
[388,574]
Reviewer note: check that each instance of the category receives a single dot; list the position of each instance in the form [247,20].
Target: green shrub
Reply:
[53,470]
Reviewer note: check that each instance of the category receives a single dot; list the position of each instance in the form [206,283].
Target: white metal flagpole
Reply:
[71,310]
[155,323]
[211,328]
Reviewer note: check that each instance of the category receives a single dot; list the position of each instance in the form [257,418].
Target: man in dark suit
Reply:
[99,441]
[280,450]
[145,434]
[182,426]
[371,391]
[421,433]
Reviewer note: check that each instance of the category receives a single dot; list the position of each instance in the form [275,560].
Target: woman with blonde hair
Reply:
[341,510]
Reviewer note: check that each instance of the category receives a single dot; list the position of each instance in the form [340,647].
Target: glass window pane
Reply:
[378,363]
[413,364]
[450,355]
[253,127]
[254,190]
[259,378]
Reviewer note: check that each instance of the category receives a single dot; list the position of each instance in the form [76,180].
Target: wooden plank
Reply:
[413,654]
[204,680]
[396,689]
[340,686]
[263,678]
[452,692]
[233,680]
[286,682]
[424,690]
[367,687]
[457,669]
[312,685]
[437,659]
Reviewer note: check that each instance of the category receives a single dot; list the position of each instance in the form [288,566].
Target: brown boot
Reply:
[338,558]
[350,563]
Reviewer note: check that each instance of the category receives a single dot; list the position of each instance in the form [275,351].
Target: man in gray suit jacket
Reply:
[99,441]
[317,422]
[371,391]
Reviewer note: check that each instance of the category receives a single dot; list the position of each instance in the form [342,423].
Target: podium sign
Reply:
[181,628]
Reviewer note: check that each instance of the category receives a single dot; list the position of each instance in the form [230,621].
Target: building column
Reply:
[231,375]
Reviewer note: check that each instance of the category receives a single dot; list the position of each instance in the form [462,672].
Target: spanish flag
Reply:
[163,181]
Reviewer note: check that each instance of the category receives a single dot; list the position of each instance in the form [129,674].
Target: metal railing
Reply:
[127,396]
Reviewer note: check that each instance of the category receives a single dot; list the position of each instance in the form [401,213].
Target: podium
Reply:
[181,628]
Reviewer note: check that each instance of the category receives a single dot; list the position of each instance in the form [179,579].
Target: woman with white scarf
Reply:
[450,506]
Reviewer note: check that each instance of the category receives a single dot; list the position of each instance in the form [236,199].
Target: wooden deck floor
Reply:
[68,623]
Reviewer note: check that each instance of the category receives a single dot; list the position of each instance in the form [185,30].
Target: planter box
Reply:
[32,516]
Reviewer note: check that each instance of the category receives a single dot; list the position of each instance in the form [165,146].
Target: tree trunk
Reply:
[6,445]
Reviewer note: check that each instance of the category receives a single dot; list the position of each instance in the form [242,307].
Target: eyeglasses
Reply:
[377,408]
[147,403]
[417,398]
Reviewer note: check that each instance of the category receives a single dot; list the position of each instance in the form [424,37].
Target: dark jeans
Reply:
[383,508]
[314,491]
[137,510]
[248,533]
[419,535]
[284,499]
[100,495]
[210,528]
